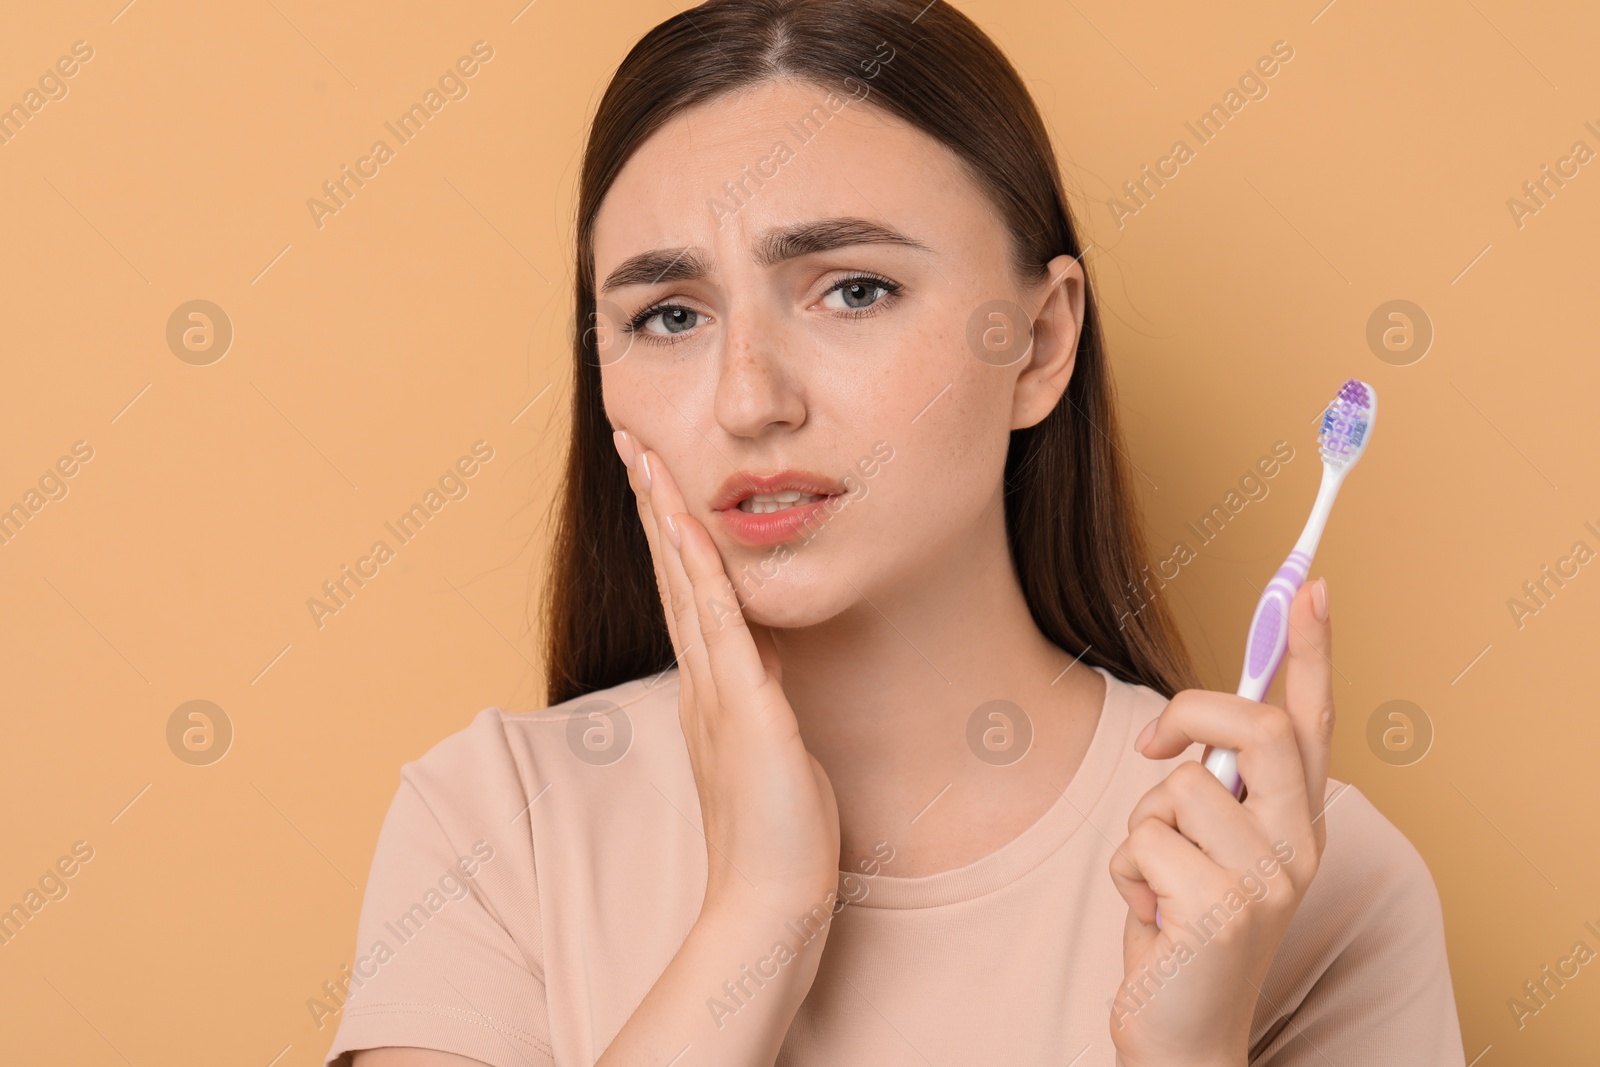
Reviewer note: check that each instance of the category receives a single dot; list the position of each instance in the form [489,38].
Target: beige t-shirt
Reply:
[530,885]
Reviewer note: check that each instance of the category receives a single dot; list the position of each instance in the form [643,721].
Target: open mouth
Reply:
[766,519]
[767,503]
[761,510]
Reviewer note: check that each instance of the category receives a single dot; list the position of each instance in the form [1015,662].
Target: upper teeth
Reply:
[762,503]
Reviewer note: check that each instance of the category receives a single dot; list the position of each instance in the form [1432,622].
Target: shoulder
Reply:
[1367,853]
[1362,971]
[494,832]
[548,785]
[1130,707]
[1372,886]
[504,756]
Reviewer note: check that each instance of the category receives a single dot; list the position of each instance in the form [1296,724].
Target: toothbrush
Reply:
[1346,429]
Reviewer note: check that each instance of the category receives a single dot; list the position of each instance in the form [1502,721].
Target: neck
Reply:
[885,692]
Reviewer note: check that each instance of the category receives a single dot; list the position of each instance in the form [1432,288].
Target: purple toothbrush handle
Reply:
[1264,653]
[1269,630]
[1264,646]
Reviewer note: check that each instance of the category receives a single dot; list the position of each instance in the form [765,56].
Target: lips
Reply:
[745,484]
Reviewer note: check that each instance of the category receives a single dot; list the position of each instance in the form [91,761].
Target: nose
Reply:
[757,387]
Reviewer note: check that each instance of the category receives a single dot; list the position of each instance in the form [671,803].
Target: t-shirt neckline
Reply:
[1027,850]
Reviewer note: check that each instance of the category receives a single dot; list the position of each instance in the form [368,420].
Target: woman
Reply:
[859,749]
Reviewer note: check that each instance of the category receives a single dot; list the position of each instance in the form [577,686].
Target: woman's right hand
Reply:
[771,820]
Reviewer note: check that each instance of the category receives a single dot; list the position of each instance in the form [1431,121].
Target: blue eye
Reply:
[675,318]
[862,288]
[862,295]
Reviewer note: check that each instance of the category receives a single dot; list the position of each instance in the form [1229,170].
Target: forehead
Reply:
[720,174]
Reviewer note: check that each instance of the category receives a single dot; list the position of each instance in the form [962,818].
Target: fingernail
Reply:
[1319,599]
[1145,735]
[624,445]
[644,470]
[673,534]
[1158,916]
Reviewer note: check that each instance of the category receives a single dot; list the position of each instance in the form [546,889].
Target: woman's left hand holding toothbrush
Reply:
[1227,875]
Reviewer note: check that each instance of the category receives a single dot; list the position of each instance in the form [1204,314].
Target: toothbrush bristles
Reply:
[1346,423]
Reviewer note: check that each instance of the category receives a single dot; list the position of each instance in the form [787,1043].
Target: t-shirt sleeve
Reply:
[437,965]
[1369,939]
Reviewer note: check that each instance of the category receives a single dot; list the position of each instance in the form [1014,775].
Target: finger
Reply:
[1195,803]
[630,448]
[735,661]
[1137,936]
[767,646]
[665,499]
[1156,864]
[1308,690]
[1262,735]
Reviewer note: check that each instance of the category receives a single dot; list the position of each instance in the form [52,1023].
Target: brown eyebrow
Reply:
[775,246]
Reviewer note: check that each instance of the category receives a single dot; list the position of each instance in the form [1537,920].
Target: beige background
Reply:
[431,312]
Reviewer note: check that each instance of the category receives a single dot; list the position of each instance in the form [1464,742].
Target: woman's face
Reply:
[826,292]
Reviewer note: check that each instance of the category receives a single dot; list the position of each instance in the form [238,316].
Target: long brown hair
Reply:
[1072,521]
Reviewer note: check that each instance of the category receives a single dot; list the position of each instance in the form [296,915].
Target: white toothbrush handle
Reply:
[1269,628]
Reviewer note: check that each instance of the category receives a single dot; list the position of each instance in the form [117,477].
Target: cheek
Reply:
[942,478]
[631,404]
[927,394]
[648,406]
[956,448]
[948,477]
[946,414]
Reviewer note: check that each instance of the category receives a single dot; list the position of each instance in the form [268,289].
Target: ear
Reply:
[1060,300]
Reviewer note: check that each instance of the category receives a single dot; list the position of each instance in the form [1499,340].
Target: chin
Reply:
[796,597]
